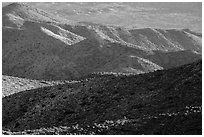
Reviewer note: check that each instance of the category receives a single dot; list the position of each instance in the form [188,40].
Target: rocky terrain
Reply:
[161,102]
[38,45]
[66,76]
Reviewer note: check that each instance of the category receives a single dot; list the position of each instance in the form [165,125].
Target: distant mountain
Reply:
[38,45]
[161,102]
[130,14]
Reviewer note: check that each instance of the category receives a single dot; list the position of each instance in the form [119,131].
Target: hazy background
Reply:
[139,15]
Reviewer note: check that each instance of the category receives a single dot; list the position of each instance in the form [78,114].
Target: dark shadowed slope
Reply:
[38,45]
[161,102]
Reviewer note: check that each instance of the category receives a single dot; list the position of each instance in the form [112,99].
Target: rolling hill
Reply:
[38,45]
[67,76]
[161,102]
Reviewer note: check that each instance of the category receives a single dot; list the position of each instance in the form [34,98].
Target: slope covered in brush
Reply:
[161,102]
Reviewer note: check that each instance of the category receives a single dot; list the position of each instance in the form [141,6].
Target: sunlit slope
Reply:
[38,45]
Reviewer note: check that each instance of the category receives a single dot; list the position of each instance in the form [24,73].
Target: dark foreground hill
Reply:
[38,45]
[161,102]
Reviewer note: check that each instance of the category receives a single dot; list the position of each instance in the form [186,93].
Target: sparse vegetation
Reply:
[162,102]
[35,49]
[63,77]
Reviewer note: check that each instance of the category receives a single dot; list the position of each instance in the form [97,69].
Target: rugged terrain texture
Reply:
[38,45]
[161,102]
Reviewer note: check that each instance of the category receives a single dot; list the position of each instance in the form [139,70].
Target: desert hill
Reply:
[12,85]
[38,45]
[161,102]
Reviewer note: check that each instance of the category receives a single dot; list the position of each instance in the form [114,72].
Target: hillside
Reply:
[12,85]
[38,45]
[161,102]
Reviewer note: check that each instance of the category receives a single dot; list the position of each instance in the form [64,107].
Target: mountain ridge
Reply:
[41,50]
[85,78]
